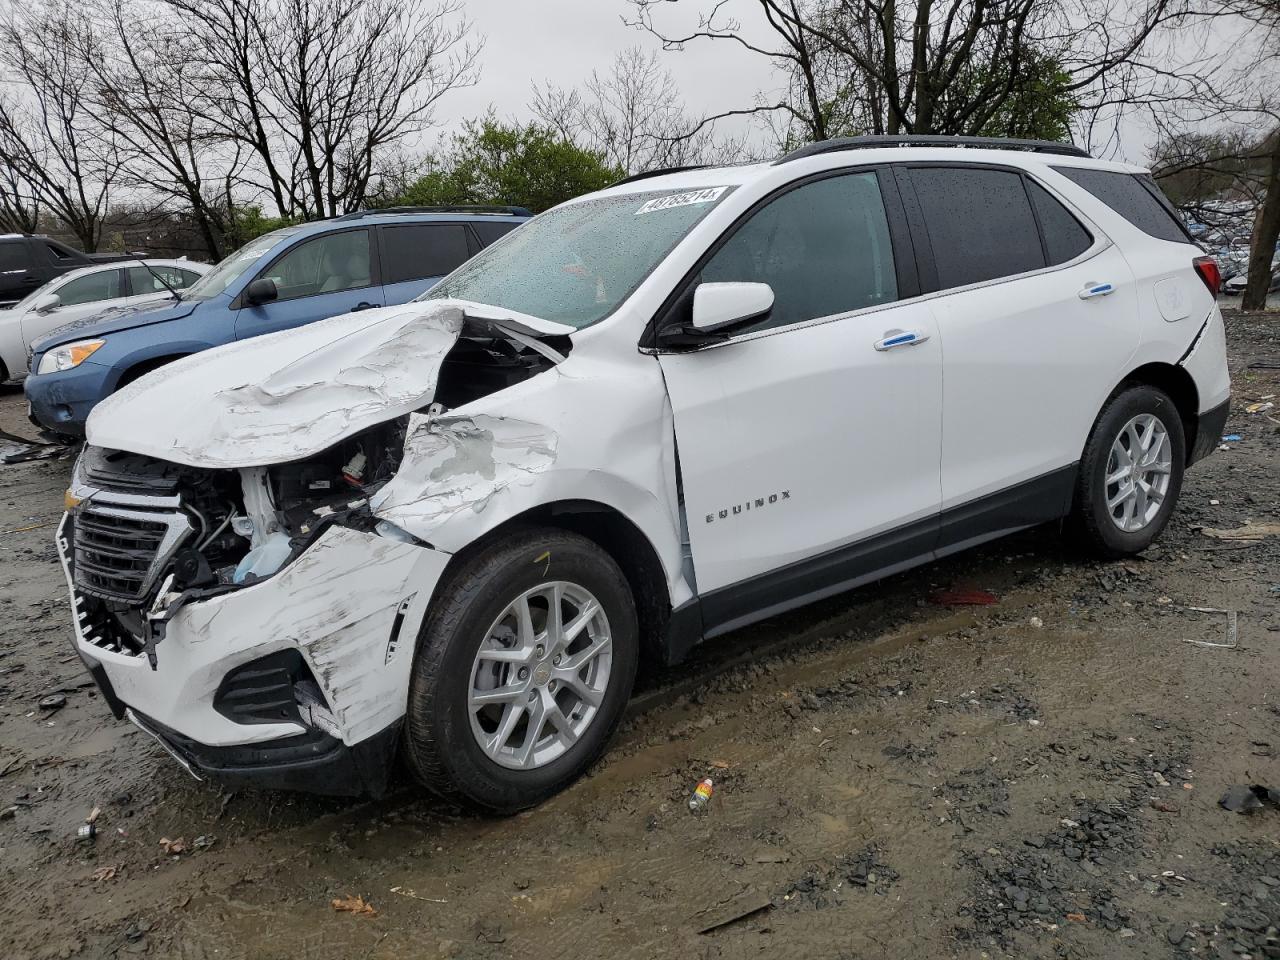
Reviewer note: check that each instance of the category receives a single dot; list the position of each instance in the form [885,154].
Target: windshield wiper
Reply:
[176,295]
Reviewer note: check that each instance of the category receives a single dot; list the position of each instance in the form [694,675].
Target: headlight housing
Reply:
[68,355]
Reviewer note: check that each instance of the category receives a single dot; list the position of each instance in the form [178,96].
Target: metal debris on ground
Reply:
[55,701]
[1249,798]
[87,832]
[1231,628]
[15,449]
[701,795]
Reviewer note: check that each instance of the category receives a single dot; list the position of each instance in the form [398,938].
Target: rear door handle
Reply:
[364,305]
[1092,290]
[899,338]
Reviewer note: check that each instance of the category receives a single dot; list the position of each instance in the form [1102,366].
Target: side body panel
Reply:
[797,442]
[596,428]
[1172,302]
[1028,365]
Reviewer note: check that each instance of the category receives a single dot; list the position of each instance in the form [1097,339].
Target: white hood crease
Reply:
[293,394]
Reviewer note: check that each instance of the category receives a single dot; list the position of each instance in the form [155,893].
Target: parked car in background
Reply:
[84,292]
[1235,286]
[28,262]
[450,531]
[285,279]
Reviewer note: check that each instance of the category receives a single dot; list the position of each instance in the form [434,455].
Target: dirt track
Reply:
[894,777]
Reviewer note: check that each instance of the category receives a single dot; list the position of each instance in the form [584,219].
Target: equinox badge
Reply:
[756,504]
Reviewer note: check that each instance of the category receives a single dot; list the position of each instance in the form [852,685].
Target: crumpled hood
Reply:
[114,319]
[290,395]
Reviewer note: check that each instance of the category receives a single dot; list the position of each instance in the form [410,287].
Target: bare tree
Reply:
[317,91]
[158,105]
[19,204]
[932,66]
[633,114]
[50,137]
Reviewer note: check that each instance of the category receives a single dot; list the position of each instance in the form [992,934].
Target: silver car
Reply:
[80,293]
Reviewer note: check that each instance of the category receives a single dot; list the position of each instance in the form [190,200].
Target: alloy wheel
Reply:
[1139,468]
[540,675]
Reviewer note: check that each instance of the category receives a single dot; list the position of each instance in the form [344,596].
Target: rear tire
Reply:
[480,753]
[1130,474]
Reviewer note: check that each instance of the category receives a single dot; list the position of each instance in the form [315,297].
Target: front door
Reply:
[809,442]
[315,279]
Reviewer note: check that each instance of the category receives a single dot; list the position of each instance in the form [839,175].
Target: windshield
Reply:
[576,263]
[232,267]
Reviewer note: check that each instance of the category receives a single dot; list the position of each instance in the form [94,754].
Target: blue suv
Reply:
[283,279]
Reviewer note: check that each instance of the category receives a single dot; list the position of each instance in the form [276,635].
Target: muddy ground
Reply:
[894,777]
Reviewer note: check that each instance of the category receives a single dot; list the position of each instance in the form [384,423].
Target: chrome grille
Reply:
[119,551]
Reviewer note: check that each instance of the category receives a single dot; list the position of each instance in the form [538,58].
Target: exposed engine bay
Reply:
[147,535]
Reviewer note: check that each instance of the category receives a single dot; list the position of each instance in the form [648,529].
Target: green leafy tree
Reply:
[248,222]
[495,163]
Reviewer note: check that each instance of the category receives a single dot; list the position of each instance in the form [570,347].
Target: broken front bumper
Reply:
[299,681]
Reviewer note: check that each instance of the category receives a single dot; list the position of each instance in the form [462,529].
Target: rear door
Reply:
[316,278]
[415,256]
[19,275]
[1035,311]
[808,451]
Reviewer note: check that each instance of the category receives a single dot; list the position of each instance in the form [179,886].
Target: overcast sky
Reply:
[532,41]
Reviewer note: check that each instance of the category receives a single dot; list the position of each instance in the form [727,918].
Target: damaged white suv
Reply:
[650,416]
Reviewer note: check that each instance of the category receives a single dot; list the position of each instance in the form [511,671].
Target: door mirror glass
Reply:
[719,307]
[262,290]
[47,303]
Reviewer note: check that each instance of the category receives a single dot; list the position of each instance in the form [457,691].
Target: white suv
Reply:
[644,419]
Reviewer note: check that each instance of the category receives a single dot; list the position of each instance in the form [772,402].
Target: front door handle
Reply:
[1092,290]
[899,338]
[364,305]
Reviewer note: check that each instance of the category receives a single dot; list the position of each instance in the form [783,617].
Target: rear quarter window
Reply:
[1134,197]
[1064,237]
[490,232]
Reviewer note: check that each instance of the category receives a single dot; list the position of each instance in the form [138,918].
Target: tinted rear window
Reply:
[13,256]
[1135,198]
[1064,237]
[415,251]
[491,231]
[980,224]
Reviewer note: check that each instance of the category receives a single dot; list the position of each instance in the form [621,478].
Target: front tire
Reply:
[1130,474]
[523,669]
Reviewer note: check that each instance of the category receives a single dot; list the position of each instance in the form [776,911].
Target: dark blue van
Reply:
[284,279]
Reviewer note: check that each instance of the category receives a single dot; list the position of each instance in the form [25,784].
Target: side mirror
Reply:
[719,307]
[48,303]
[262,290]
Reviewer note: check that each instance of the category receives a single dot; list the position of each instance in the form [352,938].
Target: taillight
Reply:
[1207,267]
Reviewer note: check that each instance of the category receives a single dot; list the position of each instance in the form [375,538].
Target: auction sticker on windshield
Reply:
[686,199]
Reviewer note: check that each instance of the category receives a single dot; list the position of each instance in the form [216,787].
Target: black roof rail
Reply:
[455,208]
[928,140]
[660,172]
